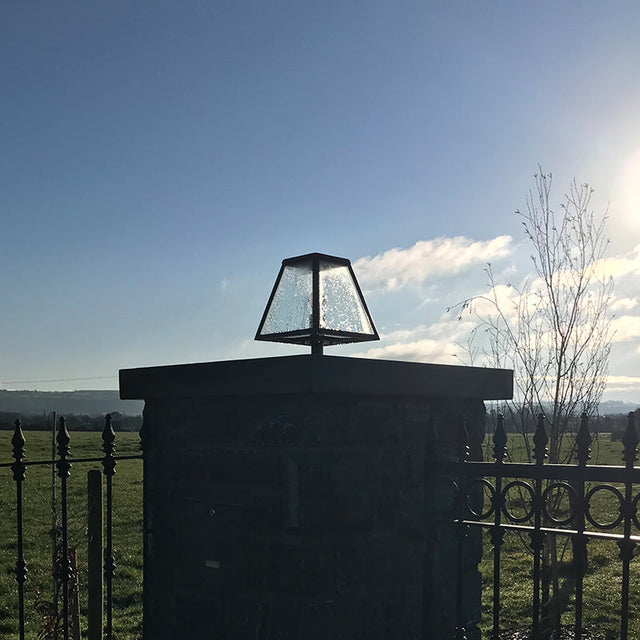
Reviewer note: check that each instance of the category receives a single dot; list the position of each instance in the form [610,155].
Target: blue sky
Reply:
[160,160]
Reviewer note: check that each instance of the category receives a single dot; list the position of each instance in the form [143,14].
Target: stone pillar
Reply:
[450,417]
[284,497]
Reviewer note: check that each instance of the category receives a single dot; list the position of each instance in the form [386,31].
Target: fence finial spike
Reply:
[500,440]
[108,446]
[540,440]
[18,441]
[63,439]
[18,467]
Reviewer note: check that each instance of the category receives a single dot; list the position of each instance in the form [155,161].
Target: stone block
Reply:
[267,514]
[284,618]
[338,491]
[278,566]
[378,562]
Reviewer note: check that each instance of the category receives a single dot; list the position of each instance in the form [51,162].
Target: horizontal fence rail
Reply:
[63,462]
[541,500]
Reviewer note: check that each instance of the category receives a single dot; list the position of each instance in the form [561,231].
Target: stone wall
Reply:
[298,516]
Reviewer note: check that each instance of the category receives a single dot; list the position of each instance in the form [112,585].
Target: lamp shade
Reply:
[316,301]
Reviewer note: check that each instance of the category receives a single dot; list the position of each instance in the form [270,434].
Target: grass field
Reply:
[37,491]
[602,583]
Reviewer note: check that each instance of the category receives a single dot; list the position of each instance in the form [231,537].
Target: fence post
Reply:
[64,466]
[583,448]
[497,532]
[109,466]
[19,470]
[627,508]
[94,555]
[540,440]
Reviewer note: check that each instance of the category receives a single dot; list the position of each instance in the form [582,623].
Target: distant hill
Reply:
[73,402]
[98,402]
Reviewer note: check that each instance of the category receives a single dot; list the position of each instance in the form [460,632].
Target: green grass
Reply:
[602,592]
[37,493]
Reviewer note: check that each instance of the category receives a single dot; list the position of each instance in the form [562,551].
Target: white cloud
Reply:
[620,266]
[425,350]
[501,297]
[404,335]
[446,340]
[623,386]
[447,329]
[625,304]
[397,268]
[439,342]
[623,381]
[626,327]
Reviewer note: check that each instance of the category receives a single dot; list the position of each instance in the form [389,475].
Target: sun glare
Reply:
[625,202]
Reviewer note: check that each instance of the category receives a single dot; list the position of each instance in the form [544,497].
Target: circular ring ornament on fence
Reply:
[444,492]
[635,511]
[573,496]
[587,510]
[484,484]
[505,509]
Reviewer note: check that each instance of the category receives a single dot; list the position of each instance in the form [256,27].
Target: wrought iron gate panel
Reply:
[63,462]
[538,485]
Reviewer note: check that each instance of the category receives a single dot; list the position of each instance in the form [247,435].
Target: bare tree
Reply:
[554,330]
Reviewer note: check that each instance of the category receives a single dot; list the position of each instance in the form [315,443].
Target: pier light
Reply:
[316,301]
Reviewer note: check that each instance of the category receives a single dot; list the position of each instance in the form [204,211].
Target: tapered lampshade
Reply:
[316,301]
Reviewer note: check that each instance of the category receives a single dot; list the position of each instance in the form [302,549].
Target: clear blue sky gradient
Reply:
[159,159]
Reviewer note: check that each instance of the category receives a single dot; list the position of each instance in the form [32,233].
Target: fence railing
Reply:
[63,463]
[540,501]
[535,500]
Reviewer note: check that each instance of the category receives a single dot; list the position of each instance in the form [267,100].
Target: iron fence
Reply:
[539,501]
[535,500]
[63,462]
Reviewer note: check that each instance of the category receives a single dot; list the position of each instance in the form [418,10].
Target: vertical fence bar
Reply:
[19,473]
[95,527]
[497,532]
[540,440]
[626,545]
[109,465]
[64,466]
[54,513]
[462,454]
[583,449]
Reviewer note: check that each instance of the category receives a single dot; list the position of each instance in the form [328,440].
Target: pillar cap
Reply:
[307,373]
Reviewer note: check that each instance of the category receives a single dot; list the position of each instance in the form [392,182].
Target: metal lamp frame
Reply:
[316,336]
